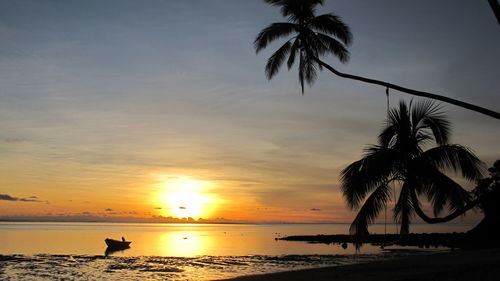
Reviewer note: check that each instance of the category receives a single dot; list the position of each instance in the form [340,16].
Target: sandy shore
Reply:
[457,265]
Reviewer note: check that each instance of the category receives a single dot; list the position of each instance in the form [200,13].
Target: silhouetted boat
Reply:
[117,244]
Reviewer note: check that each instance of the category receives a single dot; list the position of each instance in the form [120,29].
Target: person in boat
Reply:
[123,239]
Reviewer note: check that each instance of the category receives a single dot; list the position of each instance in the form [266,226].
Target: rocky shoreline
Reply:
[422,240]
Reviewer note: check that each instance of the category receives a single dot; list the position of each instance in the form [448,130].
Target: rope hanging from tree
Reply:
[387,95]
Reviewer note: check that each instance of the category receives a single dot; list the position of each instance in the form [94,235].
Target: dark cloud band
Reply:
[6,197]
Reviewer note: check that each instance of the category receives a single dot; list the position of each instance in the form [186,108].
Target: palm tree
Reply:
[315,36]
[400,160]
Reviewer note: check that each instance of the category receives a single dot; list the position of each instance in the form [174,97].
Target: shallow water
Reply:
[76,251]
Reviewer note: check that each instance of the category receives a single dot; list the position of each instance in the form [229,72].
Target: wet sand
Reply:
[138,268]
[457,265]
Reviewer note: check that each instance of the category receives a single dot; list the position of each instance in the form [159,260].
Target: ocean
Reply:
[76,251]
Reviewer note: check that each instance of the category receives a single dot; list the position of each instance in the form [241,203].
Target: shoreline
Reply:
[455,265]
[421,240]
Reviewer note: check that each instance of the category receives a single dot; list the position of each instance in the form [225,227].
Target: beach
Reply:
[455,265]
[180,252]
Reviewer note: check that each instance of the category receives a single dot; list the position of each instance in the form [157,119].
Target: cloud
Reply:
[182,208]
[108,210]
[315,209]
[158,208]
[6,197]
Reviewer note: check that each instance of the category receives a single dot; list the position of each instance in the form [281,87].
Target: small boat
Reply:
[117,244]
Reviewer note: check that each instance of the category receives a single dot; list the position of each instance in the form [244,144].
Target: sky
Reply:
[151,109]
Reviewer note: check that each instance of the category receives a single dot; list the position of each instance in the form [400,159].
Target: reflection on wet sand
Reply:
[113,268]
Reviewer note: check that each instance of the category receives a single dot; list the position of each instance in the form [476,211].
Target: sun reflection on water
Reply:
[183,244]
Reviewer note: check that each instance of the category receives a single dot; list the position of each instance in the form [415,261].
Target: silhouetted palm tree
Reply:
[399,159]
[315,36]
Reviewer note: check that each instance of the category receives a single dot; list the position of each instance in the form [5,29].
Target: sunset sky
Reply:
[161,108]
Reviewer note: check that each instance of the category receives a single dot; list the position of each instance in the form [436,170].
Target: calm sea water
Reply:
[180,240]
[76,251]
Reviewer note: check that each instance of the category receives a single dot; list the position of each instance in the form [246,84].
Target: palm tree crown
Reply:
[399,159]
[314,36]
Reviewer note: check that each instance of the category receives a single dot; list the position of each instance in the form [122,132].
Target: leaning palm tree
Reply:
[313,37]
[400,161]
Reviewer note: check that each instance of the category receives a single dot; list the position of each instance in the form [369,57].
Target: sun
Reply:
[185,197]
[185,204]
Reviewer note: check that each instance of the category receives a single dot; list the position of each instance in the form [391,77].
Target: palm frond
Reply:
[440,128]
[387,137]
[404,124]
[276,60]
[334,46]
[307,70]
[301,70]
[403,211]
[458,158]
[423,138]
[440,190]
[293,53]
[310,70]
[311,44]
[426,115]
[397,131]
[273,32]
[295,9]
[362,176]
[370,210]
[332,25]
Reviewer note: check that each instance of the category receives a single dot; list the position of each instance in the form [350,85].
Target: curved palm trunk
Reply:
[485,233]
[469,106]
[427,219]
[496,9]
